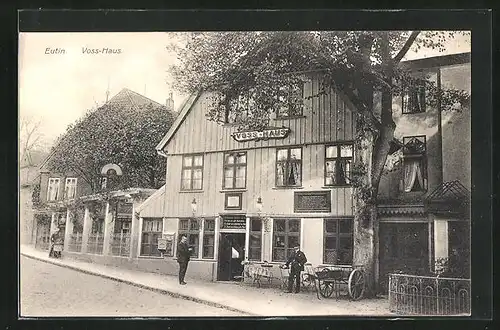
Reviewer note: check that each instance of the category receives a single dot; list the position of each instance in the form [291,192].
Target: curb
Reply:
[150,288]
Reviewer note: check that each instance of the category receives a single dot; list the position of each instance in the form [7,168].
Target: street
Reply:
[50,290]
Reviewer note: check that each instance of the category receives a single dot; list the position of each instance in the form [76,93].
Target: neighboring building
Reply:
[28,177]
[424,200]
[56,191]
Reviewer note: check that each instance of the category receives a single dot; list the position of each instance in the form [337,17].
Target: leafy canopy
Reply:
[115,134]
[238,66]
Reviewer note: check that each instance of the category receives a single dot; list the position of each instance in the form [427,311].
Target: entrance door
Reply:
[42,235]
[231,254]
[403,247]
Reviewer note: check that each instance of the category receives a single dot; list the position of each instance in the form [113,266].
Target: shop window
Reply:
[235,170]
[413,98]
[70,188]
[338,241]
[338,162]
[286,235]
[414,160]
[208,239]
[289,167]
[192,172]
[152,229]
[191,229]
[53,189]
[255,243]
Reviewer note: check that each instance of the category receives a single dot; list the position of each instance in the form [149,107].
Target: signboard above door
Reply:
[234,222]
[265,134]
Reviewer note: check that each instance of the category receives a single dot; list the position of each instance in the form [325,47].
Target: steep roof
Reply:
[183,112]
[130,99]
[125,98]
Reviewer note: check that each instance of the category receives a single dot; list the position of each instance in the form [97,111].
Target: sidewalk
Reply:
[236,297]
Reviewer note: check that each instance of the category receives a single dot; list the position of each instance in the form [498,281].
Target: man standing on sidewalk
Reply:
[183,256]
[296,262]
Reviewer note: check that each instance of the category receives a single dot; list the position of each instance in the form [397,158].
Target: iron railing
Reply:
[120,245]
[75,242]
[424,295]
[95,243]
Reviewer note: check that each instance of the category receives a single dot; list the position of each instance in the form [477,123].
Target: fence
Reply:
[120,245]
[75,242]
[95,243]
[423,295]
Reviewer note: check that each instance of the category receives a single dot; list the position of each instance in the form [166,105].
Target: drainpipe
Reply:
[440,129]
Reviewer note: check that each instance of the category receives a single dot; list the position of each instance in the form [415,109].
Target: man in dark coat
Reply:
[183,256]
[296,263]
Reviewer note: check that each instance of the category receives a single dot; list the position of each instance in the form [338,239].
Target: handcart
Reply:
[331,279]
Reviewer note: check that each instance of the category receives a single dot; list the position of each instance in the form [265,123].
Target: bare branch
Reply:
[406,47]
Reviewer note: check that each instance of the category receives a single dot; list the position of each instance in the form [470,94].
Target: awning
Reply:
[449,198]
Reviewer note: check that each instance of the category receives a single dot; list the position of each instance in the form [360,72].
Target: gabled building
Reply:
[254,195]
[424,201]
[55,191]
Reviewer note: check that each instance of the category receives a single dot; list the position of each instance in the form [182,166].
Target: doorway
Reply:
[231,254]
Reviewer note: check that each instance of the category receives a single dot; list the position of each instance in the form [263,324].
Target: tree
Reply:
[253,65]
[30,138]
[119,135]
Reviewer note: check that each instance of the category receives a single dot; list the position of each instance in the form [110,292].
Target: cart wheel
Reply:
[356,284]
[326,288]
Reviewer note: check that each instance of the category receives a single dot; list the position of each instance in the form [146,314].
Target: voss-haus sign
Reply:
[266,134]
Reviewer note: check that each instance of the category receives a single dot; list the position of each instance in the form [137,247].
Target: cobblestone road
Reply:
[50,290]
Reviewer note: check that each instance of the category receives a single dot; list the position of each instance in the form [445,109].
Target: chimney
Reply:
[170,102]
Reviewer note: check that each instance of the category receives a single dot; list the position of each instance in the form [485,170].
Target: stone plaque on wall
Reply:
[312,201]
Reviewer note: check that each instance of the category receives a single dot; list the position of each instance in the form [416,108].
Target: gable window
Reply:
[208,238]
[152,229]
[53,189]
[414,163]
[338,241]
[290,99]
[286,235]
[235,170]
[191,229]
[289,167]
[255,243]
[70,188]
[338,162]
[413,98]
[192,172]
[239,109]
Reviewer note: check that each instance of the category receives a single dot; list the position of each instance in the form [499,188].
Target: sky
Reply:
[57,89]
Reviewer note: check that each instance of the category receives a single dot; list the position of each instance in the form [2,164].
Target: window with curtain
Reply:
[255,243]
[289,167]
[208,239]
[413,97]
[235,170]
[192,172]
[70,188]
[414,162]
[152,229]
[191,229]
[53,189]
[338,162]
[286,235]
[338,241]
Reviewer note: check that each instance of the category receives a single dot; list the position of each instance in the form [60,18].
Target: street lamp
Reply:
[259,205]
[194,207]
[265,221]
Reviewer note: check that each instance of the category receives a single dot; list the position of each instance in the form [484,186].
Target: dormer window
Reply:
[415,161]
